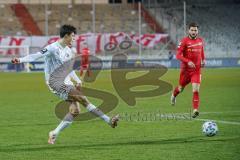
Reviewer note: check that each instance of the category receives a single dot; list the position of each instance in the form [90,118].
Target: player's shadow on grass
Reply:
[104,146]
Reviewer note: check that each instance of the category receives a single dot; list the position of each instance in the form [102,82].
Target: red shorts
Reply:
[186,77]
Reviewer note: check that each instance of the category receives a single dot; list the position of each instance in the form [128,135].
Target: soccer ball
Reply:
[209,128]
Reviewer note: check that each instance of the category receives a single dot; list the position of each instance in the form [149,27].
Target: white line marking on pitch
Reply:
[174,115]
[218,121]
[204,113]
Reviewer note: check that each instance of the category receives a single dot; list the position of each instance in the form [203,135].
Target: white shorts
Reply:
[59,82]
[61,90]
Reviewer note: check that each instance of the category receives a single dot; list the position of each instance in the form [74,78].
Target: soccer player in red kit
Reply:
[191,54]
[85,60]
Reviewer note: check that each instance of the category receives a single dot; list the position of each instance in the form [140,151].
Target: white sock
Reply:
[91,108]
[67,120]
[61,126]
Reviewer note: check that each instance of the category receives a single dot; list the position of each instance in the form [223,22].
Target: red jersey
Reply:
[85,55]
[85,51]
[190,50]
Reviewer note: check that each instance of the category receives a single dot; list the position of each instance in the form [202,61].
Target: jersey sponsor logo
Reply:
[43,50]
[194,50]
[197,44]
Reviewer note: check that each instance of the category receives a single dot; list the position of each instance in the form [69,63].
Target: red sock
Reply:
[176,92]
[195,100]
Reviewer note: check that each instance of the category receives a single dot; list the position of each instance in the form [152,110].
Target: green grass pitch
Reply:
[27,115]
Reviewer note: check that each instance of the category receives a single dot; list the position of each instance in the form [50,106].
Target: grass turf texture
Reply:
[27,115]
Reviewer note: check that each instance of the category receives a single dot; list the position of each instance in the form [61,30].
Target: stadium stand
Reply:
[218,23]
[26,19]
[115,17]
[10,25]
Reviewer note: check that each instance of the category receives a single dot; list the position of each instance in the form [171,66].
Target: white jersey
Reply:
[54,56]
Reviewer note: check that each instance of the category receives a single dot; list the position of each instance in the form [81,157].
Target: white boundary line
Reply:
[204,113]
[174,115]
[218,121]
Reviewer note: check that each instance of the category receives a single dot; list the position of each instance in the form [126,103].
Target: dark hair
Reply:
[192,24]
[67,29]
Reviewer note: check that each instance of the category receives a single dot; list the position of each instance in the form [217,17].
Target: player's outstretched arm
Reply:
[28,58]
[32,57]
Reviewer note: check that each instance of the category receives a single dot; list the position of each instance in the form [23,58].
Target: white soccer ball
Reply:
[209,128]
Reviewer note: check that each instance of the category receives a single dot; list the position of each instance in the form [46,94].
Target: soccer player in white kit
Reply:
[59,58]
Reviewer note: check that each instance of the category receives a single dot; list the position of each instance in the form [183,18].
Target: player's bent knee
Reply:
[79,97]
[74,109]
[82,99]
